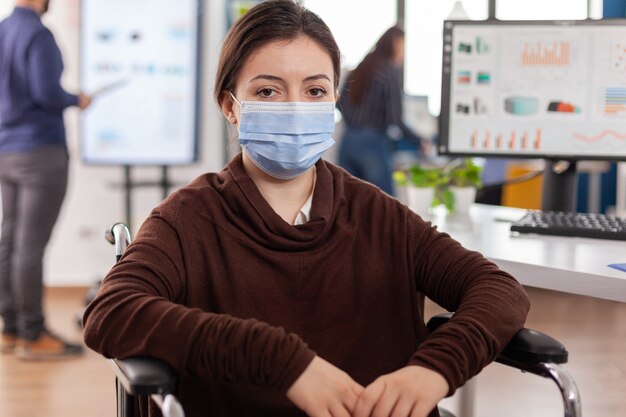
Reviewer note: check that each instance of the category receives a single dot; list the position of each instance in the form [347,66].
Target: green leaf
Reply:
[448,199]
[400,178]
[466,174]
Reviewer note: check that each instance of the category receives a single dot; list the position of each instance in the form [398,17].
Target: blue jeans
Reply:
[366,154]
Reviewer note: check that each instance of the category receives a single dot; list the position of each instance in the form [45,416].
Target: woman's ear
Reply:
[227,104]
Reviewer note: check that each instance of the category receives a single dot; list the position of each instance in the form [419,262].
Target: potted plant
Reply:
[453,185]
[420,183]
[463,179]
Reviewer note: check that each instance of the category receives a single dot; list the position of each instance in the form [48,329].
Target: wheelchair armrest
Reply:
[531,347]
[436,321]
[527,347]
[144,376]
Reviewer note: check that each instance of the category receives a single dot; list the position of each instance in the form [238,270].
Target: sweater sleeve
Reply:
[138,312]
[490,305]
[45,66]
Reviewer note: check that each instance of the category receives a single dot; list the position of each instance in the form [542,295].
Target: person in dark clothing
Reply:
[283,286]
[371,104]
[33,175]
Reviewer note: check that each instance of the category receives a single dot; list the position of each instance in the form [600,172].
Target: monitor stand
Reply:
[559,186]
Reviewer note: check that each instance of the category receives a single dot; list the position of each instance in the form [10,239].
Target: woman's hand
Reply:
[411,391]
[323,390]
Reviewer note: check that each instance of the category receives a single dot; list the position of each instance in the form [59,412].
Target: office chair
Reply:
[529,351]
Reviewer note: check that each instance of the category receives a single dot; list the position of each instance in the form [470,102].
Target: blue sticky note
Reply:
[619,267]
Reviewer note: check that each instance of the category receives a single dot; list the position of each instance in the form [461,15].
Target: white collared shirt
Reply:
[304,215]
[305,212]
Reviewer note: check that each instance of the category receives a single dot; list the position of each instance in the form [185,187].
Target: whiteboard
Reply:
[140,59]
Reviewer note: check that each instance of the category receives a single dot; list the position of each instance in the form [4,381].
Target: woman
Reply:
[283,286]
[371,104]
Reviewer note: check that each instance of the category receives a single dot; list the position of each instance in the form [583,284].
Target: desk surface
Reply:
[572,265]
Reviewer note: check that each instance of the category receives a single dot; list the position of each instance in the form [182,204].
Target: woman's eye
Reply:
[266,92]
[317,92]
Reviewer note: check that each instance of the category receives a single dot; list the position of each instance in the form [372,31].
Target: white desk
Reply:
[566,264]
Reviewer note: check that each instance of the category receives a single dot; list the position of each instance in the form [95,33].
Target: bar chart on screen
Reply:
[525,140]
[556,53]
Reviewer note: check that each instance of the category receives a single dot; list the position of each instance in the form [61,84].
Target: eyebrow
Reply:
[317,77]
[275,78]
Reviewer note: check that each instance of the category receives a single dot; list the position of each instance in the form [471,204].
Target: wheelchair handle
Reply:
[170,407]
[118,235]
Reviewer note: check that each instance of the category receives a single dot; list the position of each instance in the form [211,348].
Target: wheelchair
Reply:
[529,351]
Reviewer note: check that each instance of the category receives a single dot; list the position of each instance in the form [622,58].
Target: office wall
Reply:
[5,8]
[78,253]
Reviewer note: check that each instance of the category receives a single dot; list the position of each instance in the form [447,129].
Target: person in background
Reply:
[33,175]
[371,104]
[283,286]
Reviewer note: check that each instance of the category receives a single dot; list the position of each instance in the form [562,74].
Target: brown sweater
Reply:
[239,302]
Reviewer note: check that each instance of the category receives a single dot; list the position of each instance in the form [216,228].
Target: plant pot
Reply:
[464,197]
[420,199]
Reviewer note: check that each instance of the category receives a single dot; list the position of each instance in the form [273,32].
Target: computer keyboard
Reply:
[556,223]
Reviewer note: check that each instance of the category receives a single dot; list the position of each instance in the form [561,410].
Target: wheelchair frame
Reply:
[529,351]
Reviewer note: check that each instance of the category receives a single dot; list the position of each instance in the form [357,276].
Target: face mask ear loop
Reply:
[234,98]
[232,119]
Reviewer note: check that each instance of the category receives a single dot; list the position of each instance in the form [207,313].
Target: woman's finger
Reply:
[403,407]
[386,402]
[368,399]
[350,399]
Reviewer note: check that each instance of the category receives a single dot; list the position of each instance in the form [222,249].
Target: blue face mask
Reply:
[285,139]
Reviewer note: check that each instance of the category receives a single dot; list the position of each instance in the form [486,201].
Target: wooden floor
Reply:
[81,387]
[593,330]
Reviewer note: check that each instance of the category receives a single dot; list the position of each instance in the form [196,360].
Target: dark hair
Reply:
[266,22]
[382,55]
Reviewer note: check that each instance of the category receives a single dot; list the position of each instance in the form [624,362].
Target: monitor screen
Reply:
[140,60]
[534,89]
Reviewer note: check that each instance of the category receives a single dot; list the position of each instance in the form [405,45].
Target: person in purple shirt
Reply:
[33,175]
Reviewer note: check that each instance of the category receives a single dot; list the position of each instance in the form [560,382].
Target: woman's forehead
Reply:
[301,57]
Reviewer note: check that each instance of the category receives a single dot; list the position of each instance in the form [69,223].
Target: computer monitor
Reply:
[535,89]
